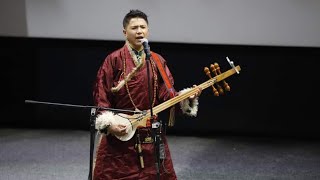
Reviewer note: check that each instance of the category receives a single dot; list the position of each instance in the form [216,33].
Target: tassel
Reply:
[172,117]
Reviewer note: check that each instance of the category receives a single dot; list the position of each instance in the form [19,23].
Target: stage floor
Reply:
[64,155]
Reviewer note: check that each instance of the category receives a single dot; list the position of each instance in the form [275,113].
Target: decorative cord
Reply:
[155,85]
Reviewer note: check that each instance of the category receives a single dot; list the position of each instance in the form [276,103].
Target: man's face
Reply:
[135,31]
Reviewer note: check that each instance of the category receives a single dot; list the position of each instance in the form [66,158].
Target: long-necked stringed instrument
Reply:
[140,120]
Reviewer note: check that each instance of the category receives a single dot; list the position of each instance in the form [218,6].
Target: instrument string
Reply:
[181,97]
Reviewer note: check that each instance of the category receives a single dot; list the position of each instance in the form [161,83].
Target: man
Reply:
[122,83]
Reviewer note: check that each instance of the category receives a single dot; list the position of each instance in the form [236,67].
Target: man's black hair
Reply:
[134,13]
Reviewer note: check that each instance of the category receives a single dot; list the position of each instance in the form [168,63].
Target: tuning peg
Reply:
[214,70]
[206,70]
[225,84]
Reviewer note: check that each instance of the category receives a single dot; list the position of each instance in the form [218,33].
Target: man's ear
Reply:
[124,32]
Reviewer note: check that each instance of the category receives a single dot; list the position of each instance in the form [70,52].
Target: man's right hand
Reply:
[118,129]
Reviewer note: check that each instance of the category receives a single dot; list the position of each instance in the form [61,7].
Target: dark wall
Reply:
[274,94]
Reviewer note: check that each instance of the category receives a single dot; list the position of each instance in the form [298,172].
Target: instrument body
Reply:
[140,120]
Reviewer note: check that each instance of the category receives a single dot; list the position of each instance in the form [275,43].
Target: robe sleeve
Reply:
[103,84]
[102,95]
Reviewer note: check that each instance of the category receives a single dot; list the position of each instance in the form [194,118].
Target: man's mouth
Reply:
[139,38]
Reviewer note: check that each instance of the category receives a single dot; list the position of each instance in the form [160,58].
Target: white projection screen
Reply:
[239,22]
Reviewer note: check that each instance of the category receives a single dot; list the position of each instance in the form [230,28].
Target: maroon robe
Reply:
[118,159]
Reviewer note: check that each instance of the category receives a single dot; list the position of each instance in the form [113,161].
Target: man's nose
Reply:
[139,30]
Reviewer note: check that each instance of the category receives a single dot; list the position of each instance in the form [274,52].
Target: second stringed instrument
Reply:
[140,120]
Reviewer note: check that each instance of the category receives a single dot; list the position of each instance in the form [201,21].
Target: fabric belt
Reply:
[163,74]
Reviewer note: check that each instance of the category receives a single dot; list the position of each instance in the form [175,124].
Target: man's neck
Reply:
[137,49]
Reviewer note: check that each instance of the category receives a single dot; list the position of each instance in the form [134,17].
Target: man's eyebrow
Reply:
[138,25]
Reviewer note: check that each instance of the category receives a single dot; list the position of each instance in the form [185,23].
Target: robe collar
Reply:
[137,56]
